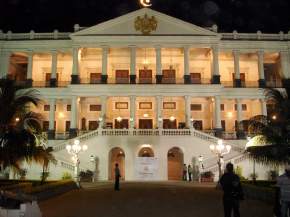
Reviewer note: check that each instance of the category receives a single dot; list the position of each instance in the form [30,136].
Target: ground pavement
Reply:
[167,199]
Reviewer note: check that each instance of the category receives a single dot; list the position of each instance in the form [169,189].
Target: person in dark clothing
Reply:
[117,177]
[189,171]
[233,191]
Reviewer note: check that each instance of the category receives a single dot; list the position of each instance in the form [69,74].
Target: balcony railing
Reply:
[47,83]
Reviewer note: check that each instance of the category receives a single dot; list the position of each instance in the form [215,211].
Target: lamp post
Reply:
[254,162]
[220,150]
[74,150]
[200,160]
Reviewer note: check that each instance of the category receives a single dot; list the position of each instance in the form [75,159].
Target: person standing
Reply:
[184,172]
[117,177]
[233,191]
[283,182]
[189,171]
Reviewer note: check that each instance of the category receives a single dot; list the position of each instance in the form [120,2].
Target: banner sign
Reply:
[146,168]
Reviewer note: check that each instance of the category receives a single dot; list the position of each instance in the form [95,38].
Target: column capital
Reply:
[236,52]
[186,47]
[260,52]
[54,51]
[158,47]
[215,47]
[105,47]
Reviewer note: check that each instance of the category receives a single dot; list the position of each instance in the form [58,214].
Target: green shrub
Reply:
[66,176]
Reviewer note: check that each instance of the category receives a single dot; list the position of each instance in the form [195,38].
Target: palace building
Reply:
[148,91]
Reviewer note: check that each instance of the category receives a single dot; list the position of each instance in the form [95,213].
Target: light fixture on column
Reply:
[119,118]
[100,119]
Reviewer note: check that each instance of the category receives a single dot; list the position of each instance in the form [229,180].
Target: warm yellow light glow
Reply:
[119,119]
[172,118]
[146,3]
[145,115]
[274,117]
[61,115]
[230,114]
[79,55]
[146,62]
[17,119]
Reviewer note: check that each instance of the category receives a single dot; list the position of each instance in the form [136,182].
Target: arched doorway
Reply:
[175,164]
[146,152]
[116,155]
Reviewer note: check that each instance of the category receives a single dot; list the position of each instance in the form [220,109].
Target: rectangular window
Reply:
[169,105]
[197,124]
[244,107]
[93,125]
[195,78]
[95,78]
[95,108]
[68,108]
[46,108]
[195,107]
[121,105]
[45,126]
[222,107]
[67,126]
[223,122]
[145,105]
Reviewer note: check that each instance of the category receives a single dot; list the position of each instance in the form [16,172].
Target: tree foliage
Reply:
[21,137]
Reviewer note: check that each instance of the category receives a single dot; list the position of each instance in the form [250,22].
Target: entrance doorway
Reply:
[145,123]
[146,152]
[175,163]
[116,155]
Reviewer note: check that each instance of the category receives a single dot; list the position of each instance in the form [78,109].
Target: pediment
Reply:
[126,25]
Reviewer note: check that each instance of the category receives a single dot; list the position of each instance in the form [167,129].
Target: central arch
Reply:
[116,155]
[146,152]
[175,163]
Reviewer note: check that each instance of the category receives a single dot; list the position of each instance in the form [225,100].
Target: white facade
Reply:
[116,87]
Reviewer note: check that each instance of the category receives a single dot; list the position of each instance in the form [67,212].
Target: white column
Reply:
[133,60]
[188,111]
[105,52]
[4,63]
[237,64]
[263,107]
[51,114]
[285,64]
[186,60]
[74,112]
[261,64]
[102,119]
[218,124]
[53,64]
[239,110]
[29,65]
[132,111]
[158,61]
[75,68]
[158,111]
[215,59]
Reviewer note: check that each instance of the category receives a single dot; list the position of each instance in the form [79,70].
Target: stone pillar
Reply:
[51,128]
[74,117]
[264,107]
[240,130]
[4,63]
[158,65]
[133,65]
[262,82]
[284,57]
[105,51]
[237,82]
[215,65]
[29,69]
[102,119]
[158,112]
[132,111]
[187,79]
[75,78]
[188,112]
[53,79]
[217,122]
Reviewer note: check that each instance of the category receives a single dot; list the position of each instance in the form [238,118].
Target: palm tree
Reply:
[21,136]
[272,142]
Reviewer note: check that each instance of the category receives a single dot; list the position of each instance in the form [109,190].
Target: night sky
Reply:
[242,15]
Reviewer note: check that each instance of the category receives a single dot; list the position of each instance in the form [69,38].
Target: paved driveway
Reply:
[168,199]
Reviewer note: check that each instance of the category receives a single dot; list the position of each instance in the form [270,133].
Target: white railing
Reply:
[55,35]
[144,132]
[255,36]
